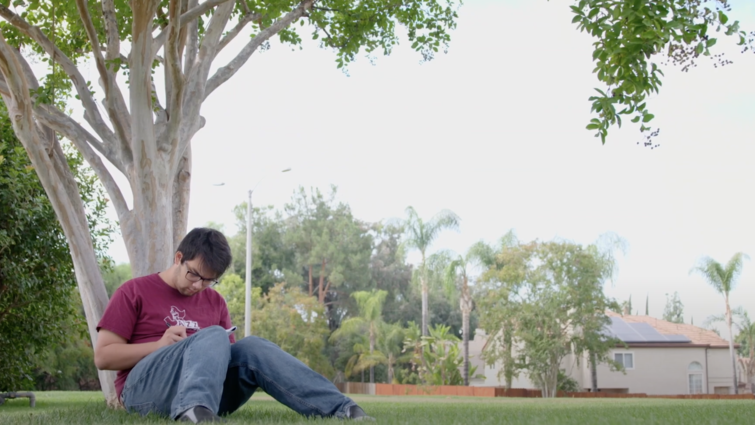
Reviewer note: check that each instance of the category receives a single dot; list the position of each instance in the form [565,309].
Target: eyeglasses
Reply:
[194,278]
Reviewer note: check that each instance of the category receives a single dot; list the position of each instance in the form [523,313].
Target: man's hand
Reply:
[113,352]
[172,335]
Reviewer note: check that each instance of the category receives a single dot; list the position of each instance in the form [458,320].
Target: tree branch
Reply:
[82,139]
[116,106]
[52,117]
[174,75]
[199,10]
[144,144]
[225,73]
[111,27]
[192,44]
[195,82]
[189,16]
[181,186]
[92,114]
[230,35]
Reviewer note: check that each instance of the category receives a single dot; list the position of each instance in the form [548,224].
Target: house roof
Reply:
[695,334]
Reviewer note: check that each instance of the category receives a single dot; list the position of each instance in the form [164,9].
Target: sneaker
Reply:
[357,414]
[199,414]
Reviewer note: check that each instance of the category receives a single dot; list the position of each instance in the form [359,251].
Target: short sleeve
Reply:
[121,313]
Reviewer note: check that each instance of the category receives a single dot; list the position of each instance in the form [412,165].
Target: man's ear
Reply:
[177,259]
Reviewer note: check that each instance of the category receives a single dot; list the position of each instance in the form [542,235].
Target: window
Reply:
[695,378]
[624,359]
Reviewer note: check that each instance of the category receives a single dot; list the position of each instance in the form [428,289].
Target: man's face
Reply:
[191,277]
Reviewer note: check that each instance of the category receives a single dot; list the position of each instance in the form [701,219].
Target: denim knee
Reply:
[215,339]
[255,343]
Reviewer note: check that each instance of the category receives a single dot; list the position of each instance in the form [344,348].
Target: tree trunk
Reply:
[466,308]
[311,286]
[390,369]
[372,350]
[508,366]
[321,291]
[465,338]
[593,372]
[731,346]
[423,279]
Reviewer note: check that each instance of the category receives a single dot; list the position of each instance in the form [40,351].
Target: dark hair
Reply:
[209,245]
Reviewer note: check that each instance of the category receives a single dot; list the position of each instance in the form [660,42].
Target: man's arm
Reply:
[112,352]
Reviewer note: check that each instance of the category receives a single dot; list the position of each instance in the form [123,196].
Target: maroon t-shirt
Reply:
[143,308]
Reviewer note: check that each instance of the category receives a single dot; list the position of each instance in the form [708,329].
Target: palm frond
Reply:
[349,326]
[445,219]
[509,240]
[733,268]
[718,318]
[722,278]
[370,304]
[481,253]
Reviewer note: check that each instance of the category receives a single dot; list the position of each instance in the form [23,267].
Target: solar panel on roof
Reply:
[648,333]
[677,338]
[639,332]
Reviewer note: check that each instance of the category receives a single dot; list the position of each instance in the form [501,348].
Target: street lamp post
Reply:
[248,280]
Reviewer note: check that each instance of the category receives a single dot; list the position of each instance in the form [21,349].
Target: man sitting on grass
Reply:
[166,336]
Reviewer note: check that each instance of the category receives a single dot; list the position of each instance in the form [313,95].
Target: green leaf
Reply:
[699,48]
[592,126]
[710,43]
[722,17]
[647,118]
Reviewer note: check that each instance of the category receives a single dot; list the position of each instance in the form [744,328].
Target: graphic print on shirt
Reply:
[176,318]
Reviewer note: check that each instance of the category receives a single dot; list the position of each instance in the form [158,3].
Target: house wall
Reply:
[719,369]
[658,371]
[663,371]
[569,364]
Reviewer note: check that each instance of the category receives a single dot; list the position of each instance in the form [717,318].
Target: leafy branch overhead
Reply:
[632,35]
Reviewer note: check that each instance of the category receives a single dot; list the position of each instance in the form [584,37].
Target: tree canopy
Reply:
[146,126]
[633,37]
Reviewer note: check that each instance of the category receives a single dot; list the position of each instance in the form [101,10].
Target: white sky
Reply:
[495,131]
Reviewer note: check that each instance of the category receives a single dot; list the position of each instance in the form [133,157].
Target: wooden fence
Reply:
[454,390]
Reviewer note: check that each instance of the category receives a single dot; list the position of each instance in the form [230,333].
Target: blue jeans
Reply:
[205,369]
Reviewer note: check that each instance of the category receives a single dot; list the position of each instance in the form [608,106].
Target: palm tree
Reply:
[723,279]
[390,346]
[457,276]
[370,316]
[745,337]
[420,235]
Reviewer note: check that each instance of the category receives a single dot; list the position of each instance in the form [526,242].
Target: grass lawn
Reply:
[89,408]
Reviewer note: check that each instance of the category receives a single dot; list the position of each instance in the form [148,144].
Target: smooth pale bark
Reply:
[372,351]
[425,291]
[731,346]
[465,304]
[549,380]
[593,373]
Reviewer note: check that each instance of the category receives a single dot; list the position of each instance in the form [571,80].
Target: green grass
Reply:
[89,408]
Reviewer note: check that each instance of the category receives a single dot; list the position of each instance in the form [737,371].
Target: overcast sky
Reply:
[495,131]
